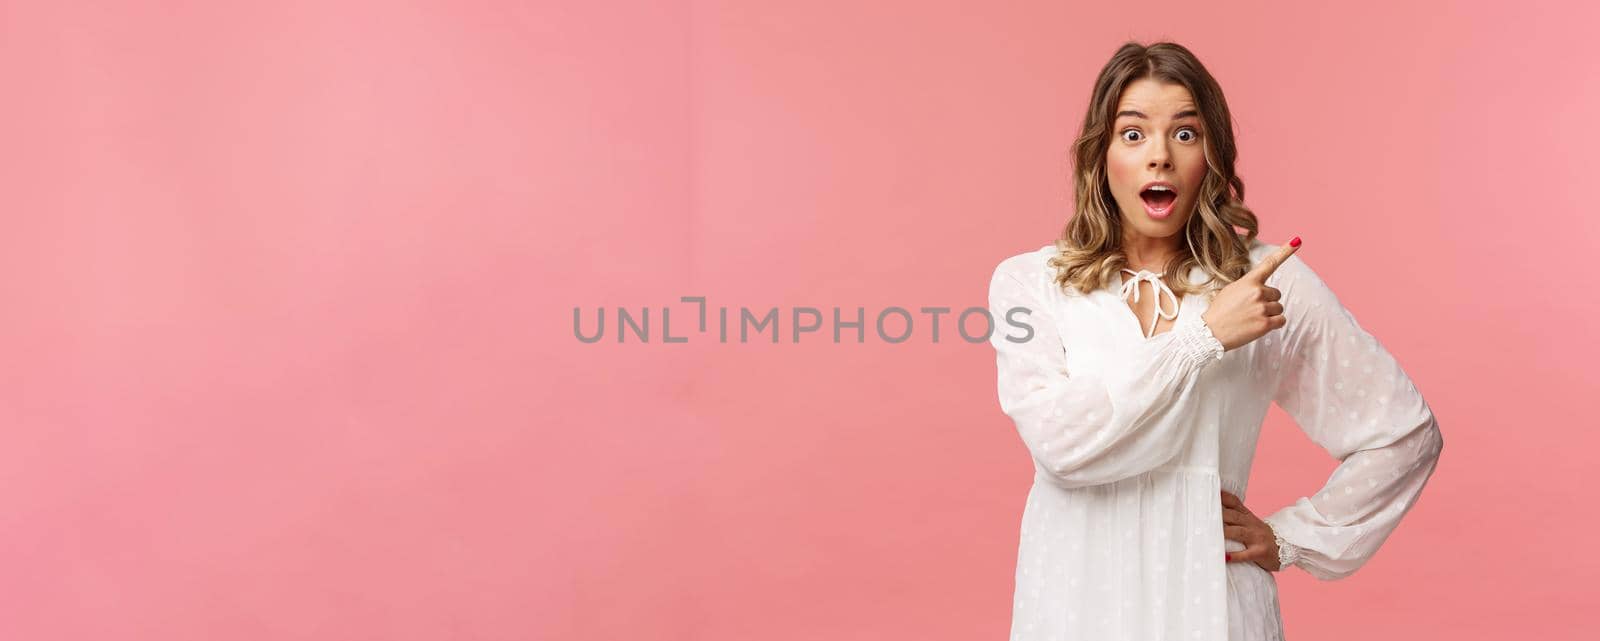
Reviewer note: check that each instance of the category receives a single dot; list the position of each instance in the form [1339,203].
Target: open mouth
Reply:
[1158,201]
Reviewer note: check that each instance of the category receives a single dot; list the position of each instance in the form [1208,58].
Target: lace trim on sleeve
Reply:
[1288,553]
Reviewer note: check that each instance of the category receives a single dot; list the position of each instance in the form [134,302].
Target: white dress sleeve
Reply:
[1088,428]
[1350,396]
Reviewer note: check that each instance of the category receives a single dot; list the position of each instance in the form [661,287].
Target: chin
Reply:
[1151,227]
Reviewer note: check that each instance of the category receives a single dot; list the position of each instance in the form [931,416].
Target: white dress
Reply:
[1133,436]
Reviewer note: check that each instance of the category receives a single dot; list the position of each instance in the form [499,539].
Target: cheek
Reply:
[1120,169]
[1195,169]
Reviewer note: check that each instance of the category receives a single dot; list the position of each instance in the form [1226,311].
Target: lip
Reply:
[1159,214]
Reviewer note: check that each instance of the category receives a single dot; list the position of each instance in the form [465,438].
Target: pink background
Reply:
[290,288]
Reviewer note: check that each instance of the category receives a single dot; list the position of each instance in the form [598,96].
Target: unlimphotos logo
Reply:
[893,324]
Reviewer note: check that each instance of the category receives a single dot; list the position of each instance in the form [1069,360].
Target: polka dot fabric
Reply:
[1133,436]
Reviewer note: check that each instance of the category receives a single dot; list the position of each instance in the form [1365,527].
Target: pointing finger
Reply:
[1274,260]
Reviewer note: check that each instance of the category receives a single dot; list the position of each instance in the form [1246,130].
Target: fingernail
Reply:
[1295,242]
[1227,557]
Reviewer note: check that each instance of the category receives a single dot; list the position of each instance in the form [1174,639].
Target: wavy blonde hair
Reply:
[1089,251]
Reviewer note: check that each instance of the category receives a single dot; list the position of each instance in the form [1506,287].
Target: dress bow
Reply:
[1130,291]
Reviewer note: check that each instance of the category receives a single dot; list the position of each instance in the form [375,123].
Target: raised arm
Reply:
[1089,428]
[1350,396]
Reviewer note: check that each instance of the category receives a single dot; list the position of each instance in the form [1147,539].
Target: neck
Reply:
[1149,253]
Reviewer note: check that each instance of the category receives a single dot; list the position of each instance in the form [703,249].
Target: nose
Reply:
[1159,158]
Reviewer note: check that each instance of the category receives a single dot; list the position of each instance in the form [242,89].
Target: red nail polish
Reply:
[1227,557]
[1295,242]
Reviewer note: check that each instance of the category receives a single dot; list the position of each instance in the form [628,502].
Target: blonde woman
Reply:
[1137,357]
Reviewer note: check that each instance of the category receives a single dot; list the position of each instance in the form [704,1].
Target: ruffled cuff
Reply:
[1288,552]
[1195,342]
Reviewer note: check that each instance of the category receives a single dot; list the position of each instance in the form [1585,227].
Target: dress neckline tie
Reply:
[1130,291]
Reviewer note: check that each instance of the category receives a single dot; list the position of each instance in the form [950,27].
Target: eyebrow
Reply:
[1138,114]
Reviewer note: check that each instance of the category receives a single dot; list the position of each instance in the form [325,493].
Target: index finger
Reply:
[1229,500]
[1275,260]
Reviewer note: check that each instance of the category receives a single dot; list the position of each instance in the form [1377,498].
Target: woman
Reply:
[1143,350]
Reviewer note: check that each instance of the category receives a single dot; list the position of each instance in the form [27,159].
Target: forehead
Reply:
[1155,99]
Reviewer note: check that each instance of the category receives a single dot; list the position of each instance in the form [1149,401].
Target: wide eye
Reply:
[1125,133]
[1192,134]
